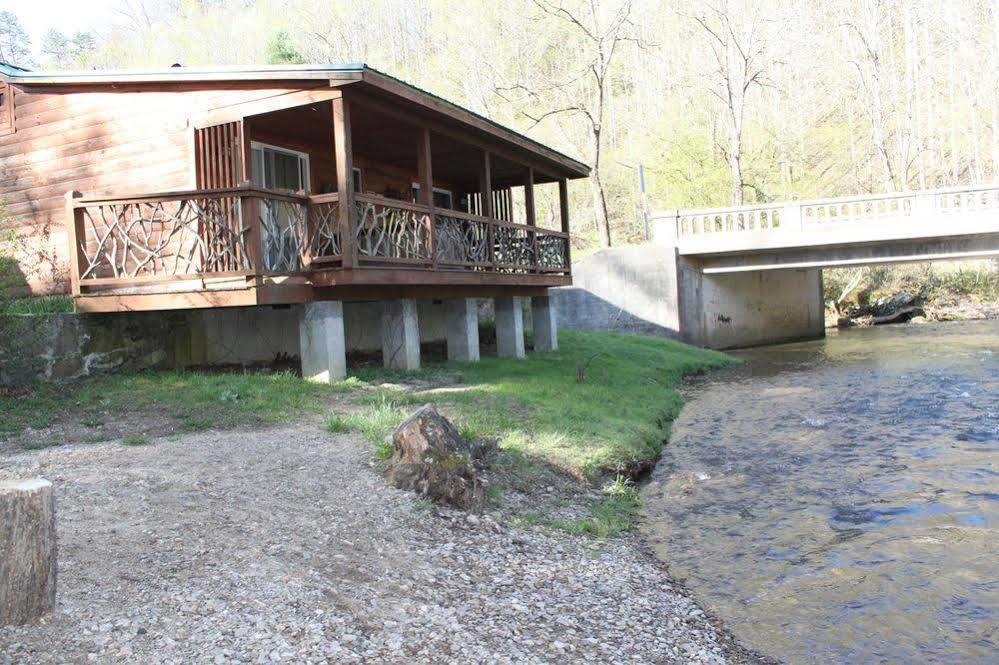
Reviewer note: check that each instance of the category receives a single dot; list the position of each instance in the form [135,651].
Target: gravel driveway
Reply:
[284,545]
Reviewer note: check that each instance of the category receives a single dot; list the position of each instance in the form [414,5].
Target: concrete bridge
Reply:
[752,275]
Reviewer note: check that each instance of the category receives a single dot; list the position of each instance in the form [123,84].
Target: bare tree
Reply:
[737,43]
[599,33]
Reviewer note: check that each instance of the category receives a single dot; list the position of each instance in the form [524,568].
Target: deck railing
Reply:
[249,232]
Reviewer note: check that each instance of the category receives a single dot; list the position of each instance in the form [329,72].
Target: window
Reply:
[358,181]
[6,109]
[443,198]
[280,168]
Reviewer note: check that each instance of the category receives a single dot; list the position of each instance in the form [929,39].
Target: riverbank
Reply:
[921,293]
[272,486]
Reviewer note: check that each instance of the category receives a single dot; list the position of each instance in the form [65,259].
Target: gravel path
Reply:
[283,545]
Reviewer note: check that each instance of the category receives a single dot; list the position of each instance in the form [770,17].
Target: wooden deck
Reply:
[251,246]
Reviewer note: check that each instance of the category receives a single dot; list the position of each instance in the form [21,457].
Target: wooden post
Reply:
[76,234]
[425,176]
[529,196]
[486,199]
[246,177]
[530,215]
[28,547]
[563,209]
[246,150]
[249,214]
[344,155]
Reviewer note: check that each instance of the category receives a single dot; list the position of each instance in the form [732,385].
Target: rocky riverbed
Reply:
[285,545]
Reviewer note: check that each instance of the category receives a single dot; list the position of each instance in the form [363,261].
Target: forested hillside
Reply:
[720,101]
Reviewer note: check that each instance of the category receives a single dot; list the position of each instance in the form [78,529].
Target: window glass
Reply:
[276,168]
[442,199]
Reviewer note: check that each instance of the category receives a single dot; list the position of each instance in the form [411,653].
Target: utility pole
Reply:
[645,202]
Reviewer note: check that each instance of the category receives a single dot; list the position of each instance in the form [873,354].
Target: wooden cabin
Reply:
[245,186]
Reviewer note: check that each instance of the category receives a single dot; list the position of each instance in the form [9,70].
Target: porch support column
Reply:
[462,329]
[321,342]
[529,196]
[545,328]
[486,184]
[563,208]
[425,174]
[486,198]
[509,327]
[529,213]
[343,153]
[400,334]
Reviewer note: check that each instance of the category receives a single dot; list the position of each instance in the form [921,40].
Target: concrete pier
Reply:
[322,342]
[462,330]
[400,335]
[545,325]
[509,327]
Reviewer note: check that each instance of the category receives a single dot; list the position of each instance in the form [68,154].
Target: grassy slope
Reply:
[618,415]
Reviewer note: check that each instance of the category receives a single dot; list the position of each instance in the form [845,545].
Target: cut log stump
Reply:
[27,550]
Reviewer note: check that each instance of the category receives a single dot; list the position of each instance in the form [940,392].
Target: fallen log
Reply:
[898,316]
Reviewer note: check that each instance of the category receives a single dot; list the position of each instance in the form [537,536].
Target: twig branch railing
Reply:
[253,233]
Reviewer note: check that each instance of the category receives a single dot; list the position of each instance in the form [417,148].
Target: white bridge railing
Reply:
[940,206]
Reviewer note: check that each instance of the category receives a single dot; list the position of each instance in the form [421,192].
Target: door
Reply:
[283,236]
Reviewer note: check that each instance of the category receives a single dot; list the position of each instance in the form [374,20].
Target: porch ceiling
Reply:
[386,139]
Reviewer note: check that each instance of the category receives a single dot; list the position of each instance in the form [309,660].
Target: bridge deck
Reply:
[905,226]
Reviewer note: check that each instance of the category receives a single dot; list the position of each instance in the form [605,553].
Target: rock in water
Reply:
[27,550]
[433,459]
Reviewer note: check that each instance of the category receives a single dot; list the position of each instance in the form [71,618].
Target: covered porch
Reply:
[355,195]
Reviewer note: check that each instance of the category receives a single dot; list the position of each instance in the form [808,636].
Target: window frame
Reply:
[7,108]
[304,165]
[439,190]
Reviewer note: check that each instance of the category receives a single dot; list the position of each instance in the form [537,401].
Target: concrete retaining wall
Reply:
[629,289]
[62,347]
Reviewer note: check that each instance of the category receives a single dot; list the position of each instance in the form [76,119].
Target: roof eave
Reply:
[348,72]
[183,74]
[387,82]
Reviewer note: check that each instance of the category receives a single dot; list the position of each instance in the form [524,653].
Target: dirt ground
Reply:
[285,545]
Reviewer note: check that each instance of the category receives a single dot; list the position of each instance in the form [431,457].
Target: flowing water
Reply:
[839,500]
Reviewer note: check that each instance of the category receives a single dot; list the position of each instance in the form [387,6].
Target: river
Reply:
[838,500]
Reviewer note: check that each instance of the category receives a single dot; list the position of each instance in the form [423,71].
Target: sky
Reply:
[69,16]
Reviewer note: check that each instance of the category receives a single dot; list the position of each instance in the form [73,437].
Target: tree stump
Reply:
[27,550]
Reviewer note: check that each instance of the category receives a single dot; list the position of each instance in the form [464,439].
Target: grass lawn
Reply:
[547,421]
[617,416]
[193,400]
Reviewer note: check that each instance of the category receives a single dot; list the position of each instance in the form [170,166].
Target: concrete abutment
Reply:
[652,289]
